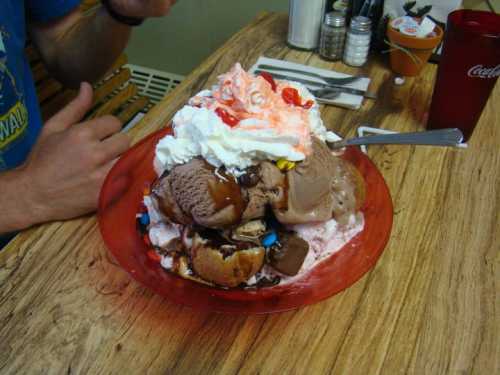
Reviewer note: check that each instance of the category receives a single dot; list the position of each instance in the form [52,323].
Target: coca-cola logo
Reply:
[484,72]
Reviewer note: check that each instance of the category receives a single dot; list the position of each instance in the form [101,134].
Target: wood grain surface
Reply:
[107,87]
[132,108]
[110,106]
[430,306]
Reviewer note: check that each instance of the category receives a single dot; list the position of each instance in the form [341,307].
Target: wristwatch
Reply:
[130,21]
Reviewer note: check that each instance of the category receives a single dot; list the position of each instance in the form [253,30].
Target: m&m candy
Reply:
[285,165]
[269,239]
[144,219]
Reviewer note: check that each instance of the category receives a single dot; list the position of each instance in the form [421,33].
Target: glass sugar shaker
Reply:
[331,44]
[305,17]
[357,43]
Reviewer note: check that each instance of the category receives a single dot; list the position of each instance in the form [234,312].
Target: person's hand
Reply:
[67,166]
[142,8]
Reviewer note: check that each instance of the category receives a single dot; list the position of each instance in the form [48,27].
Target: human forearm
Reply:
[81,47]
[62,176]
[15,199]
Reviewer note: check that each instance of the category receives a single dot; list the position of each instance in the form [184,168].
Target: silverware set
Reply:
[328,90]
[328,80]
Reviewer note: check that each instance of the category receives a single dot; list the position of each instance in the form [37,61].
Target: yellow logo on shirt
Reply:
[13,123]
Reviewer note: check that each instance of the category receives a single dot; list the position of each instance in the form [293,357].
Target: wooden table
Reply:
[430,306]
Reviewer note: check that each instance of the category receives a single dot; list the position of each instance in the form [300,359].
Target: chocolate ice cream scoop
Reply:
[195,190]
[319,188]
[356,179]
[268,190]
[167,203]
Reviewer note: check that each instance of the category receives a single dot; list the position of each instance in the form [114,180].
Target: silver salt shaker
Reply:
[304,23]
[357,44]
[331,43]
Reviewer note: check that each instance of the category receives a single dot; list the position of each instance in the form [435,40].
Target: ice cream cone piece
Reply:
[212,265]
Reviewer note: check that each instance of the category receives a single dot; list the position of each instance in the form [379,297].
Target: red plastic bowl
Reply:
[121,197]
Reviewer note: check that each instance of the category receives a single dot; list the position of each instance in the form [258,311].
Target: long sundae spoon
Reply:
[440,137]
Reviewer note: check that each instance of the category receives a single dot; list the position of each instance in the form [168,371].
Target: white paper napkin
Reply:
[343,100]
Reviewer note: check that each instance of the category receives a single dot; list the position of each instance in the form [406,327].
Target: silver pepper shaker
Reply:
[304,23]
[331,43]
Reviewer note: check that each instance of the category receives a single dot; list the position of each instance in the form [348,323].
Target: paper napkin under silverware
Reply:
[343,100]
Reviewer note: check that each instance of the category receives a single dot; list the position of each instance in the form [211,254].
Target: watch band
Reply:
[130,21]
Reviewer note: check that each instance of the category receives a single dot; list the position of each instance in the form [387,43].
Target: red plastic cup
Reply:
[468,70]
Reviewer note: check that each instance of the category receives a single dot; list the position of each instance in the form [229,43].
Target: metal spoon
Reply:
[440,137]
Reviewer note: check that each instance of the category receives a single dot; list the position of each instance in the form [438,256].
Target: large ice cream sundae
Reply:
[248,193]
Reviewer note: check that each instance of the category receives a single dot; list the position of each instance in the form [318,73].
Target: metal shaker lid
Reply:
[336,19]
[361,23]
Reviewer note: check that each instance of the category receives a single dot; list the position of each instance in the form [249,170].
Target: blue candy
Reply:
[269,239]
[144,219]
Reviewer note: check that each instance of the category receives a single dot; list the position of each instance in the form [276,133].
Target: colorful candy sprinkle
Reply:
[308,104]
[144,219]
[154,256]
[146,239]
[269,239]
[285,165]
[291,95]
[142,208]
[226,117]
[269,78]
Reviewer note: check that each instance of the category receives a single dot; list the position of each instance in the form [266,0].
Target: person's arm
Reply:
[63,174]
[82,46]
[14,199]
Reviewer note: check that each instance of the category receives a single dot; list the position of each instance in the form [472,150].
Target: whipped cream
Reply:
[268,128]
[200,132]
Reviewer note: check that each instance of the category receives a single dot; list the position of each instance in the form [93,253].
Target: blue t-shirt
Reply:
[20,119]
